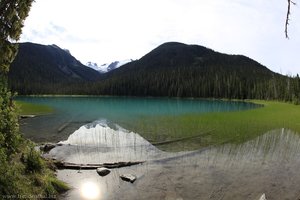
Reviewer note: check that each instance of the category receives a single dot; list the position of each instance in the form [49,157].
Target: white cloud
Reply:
[106,30]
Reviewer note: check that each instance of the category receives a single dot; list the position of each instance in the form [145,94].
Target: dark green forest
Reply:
[39,69]
[172,69]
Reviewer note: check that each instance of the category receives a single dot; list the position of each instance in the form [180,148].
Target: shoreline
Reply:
[209,174]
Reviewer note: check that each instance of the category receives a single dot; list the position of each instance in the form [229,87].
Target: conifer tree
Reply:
[12,16]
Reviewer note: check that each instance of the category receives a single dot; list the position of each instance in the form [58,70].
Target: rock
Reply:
[102,171]
[263,197]
[47,147]
[27,116]
[128,177]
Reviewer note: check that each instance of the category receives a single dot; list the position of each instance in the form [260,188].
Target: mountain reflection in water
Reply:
[70,113]
[268,164]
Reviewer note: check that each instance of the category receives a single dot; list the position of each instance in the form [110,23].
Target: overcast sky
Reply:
[103,31]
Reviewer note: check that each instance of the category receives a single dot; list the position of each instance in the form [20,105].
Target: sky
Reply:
[104,31]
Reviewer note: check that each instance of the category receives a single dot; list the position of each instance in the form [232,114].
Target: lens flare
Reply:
[90,191]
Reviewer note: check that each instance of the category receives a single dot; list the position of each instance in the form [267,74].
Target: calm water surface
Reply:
[73,112]
[90,131]
[268,164]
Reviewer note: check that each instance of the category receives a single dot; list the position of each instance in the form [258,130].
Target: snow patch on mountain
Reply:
[92,65]
[108,67]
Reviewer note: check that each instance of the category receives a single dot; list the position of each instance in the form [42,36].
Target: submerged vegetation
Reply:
[218,127]
[33,109]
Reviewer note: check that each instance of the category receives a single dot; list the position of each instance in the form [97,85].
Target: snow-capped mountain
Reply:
[93,65]
[108,67]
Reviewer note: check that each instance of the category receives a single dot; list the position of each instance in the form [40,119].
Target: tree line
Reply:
[202,82]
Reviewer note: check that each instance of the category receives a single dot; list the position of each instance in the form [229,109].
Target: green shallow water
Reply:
[91,129]
[72,112]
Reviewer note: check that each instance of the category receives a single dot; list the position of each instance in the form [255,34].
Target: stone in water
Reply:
[128,177]
[102,171]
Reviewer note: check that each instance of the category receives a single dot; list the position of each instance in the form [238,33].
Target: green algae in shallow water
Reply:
[234,127]
[33,109]
[73,112]
[161,119]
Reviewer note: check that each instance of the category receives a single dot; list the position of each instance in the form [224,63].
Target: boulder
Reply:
[47,147]
[102,171]
[128,177]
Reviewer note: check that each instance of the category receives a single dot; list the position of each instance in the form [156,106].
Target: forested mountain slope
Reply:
[46,68]
[172,69]
[176,69]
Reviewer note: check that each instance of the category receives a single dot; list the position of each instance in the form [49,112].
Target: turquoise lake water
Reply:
[72,112]
[87,126]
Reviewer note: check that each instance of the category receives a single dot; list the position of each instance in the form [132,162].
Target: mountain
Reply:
[108,67]
[180,70]
[172,69]
[46,68]
[174,55]
[94,66]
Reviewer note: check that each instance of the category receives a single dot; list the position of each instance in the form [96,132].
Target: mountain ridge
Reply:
[36,66]
[180,70]
[175,70]
[163,51]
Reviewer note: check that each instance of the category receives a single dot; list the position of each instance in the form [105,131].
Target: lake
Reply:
[94,130]
[73,112]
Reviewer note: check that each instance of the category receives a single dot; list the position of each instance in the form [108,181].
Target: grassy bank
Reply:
[33,109]
[24,174]
[27,176]
[235,127]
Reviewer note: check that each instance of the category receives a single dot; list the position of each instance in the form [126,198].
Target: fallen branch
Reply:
[63,126]
[189,153]
[288,13]
[182,139]
[67,165]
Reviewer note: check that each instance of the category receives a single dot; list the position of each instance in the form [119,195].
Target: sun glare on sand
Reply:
[90,191]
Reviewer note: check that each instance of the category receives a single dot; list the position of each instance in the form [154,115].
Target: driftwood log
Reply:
[26,116]
[182,139]
[67,165]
